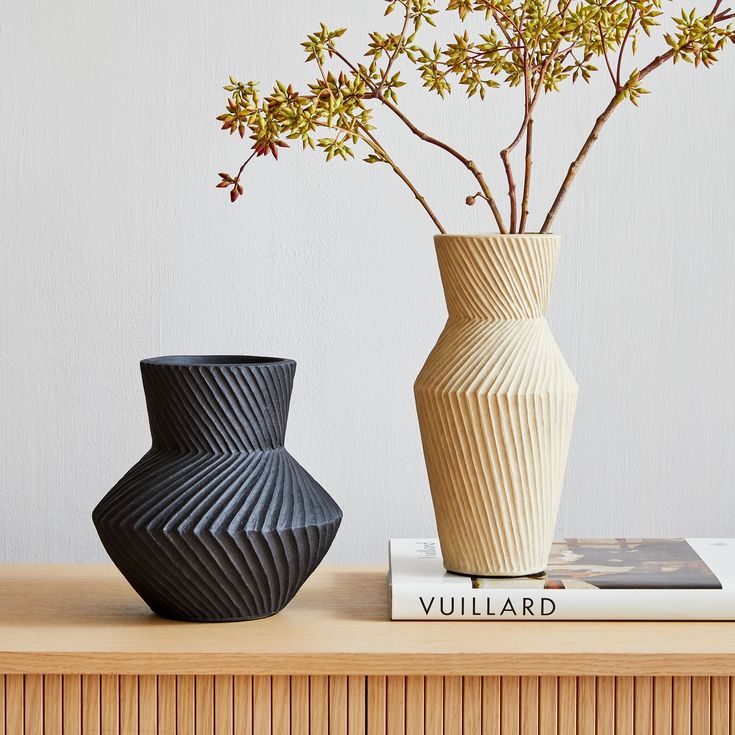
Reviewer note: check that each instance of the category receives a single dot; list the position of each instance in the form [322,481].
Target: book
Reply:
[586,579]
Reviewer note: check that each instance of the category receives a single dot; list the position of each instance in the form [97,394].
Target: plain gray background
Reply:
[115,246]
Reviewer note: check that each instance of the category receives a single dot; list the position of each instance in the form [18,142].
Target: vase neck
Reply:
[497,277]
[218,408]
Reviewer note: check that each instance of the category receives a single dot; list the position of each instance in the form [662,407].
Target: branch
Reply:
[631,24]
[395,53]
[379,150]
[532,100]
[594,135]
[466,162]
[504,155]
[527,177]
[234,185]
[603,42]
[247,161]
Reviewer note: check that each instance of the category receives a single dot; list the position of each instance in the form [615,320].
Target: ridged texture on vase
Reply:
[496,404]
[217,521]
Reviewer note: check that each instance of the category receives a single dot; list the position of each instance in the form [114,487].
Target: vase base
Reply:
[499,574]
[183,619]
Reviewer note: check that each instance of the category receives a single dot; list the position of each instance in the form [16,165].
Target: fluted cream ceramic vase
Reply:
[496,404]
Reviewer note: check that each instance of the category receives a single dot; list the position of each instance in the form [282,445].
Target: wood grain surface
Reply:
[86,620]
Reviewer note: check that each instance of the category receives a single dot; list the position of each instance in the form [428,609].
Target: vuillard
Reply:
[490,607]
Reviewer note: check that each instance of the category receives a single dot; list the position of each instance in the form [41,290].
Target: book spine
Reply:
[412,602]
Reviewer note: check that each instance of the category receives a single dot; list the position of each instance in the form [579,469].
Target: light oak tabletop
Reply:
[86,619]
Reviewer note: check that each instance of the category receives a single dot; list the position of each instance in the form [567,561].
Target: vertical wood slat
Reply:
[719,705]
[452,705]
[33,704]
[567,705]
[662,693]
[337,705]
[624,705]
[376,705]
[128,688]
[2,704]
[643,705]
[356,704]
[586,704]
[14,706]
[299,704]
[414,705]
[605,706]
[318,705]
[223,705]
[434,705]
[490,705]
[510,705]
[52,705]
[242,695]
[529,705]
[682,706]
[261,704]
[395,705]
[109,698]
[166,705]
[148,705]
[280,705]
[91,715]
[185,705]
[204,705]
[547,703]
[700,705]
[71,686]
[472,705]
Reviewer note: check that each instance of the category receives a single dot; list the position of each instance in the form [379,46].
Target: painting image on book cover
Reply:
[616,564]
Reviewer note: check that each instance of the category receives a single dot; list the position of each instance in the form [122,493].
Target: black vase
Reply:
[217,522]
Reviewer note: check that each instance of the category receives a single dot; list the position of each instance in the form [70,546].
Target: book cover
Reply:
[586,579]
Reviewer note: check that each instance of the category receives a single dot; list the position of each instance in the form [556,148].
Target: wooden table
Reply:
[81,653]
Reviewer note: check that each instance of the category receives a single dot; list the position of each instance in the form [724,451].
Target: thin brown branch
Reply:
[531,102]
[603,43]
[466,162]
[594,135]
[397,50]
[379,150]
[607,112]
[527,177]
[249,158]
[621,52]
[510,21]
[577,162]
[504,155]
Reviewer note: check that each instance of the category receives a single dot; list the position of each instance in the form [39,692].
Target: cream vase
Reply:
[496,402]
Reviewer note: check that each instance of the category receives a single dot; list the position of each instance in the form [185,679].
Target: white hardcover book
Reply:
[586,579]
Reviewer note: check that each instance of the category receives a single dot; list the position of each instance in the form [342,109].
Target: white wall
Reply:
[116,246]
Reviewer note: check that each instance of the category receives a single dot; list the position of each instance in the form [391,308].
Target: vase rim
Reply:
[187,361]
[497,235]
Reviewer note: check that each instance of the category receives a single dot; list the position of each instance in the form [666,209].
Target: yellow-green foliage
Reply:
[534,45]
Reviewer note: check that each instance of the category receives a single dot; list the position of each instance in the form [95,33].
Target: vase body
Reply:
[496,403]
[217,522]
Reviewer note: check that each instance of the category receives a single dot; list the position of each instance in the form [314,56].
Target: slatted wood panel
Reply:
[35,704]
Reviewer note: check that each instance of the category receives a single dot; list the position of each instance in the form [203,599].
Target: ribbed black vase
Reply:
[217,522]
